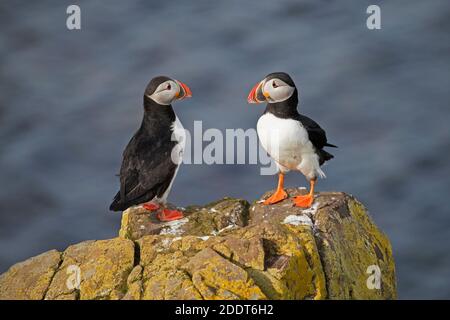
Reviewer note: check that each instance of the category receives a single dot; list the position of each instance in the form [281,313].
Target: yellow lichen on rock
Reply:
[352,248]
[162,261]
[224,250]
[292,268]
[314,278]
[29,280]
[217,278]
[104,266]
[125,231]
[134,284]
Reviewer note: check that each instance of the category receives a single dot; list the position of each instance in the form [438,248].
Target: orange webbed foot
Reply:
[305,201]
[150,206]
[169,215]
[278,196]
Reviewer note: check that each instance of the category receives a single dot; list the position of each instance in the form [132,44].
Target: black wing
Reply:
[318,138]
[147,170]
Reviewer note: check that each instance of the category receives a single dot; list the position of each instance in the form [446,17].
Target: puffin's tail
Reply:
[324,156]
[117,205]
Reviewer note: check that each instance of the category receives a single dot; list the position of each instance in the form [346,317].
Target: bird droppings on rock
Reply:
[260,257]
[215,233]
[297,220]
[166,242]
[313,209]
[173,227]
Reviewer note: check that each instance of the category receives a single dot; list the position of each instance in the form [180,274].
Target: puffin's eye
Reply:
[274,84]
[168,86]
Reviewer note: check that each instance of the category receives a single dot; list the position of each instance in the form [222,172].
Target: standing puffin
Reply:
[293,140]
[153,155]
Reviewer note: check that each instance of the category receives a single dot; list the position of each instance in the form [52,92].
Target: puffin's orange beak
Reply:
[185,92]
[256,95]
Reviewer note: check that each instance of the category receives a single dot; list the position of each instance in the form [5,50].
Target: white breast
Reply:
[179,135]
[287,142]
[178,132]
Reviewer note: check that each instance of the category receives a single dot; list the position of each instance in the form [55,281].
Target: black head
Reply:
[274,88]
[283,76]
[164,90]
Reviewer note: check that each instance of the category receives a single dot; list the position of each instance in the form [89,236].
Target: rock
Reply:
[224,250]
[207,220]
[347,241]
[134,284]
[103,265]
[360,246]
[216,277]
[29,280]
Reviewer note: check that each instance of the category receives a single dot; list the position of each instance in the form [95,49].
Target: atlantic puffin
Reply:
[293,140]
[153,155]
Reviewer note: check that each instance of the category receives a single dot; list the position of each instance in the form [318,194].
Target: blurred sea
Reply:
[70,101]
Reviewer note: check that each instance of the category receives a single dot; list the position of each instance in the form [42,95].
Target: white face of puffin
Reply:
[167,92]
[276,90]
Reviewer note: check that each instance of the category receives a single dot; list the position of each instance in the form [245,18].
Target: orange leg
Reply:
[307,200]
[169,215]
[280,194]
